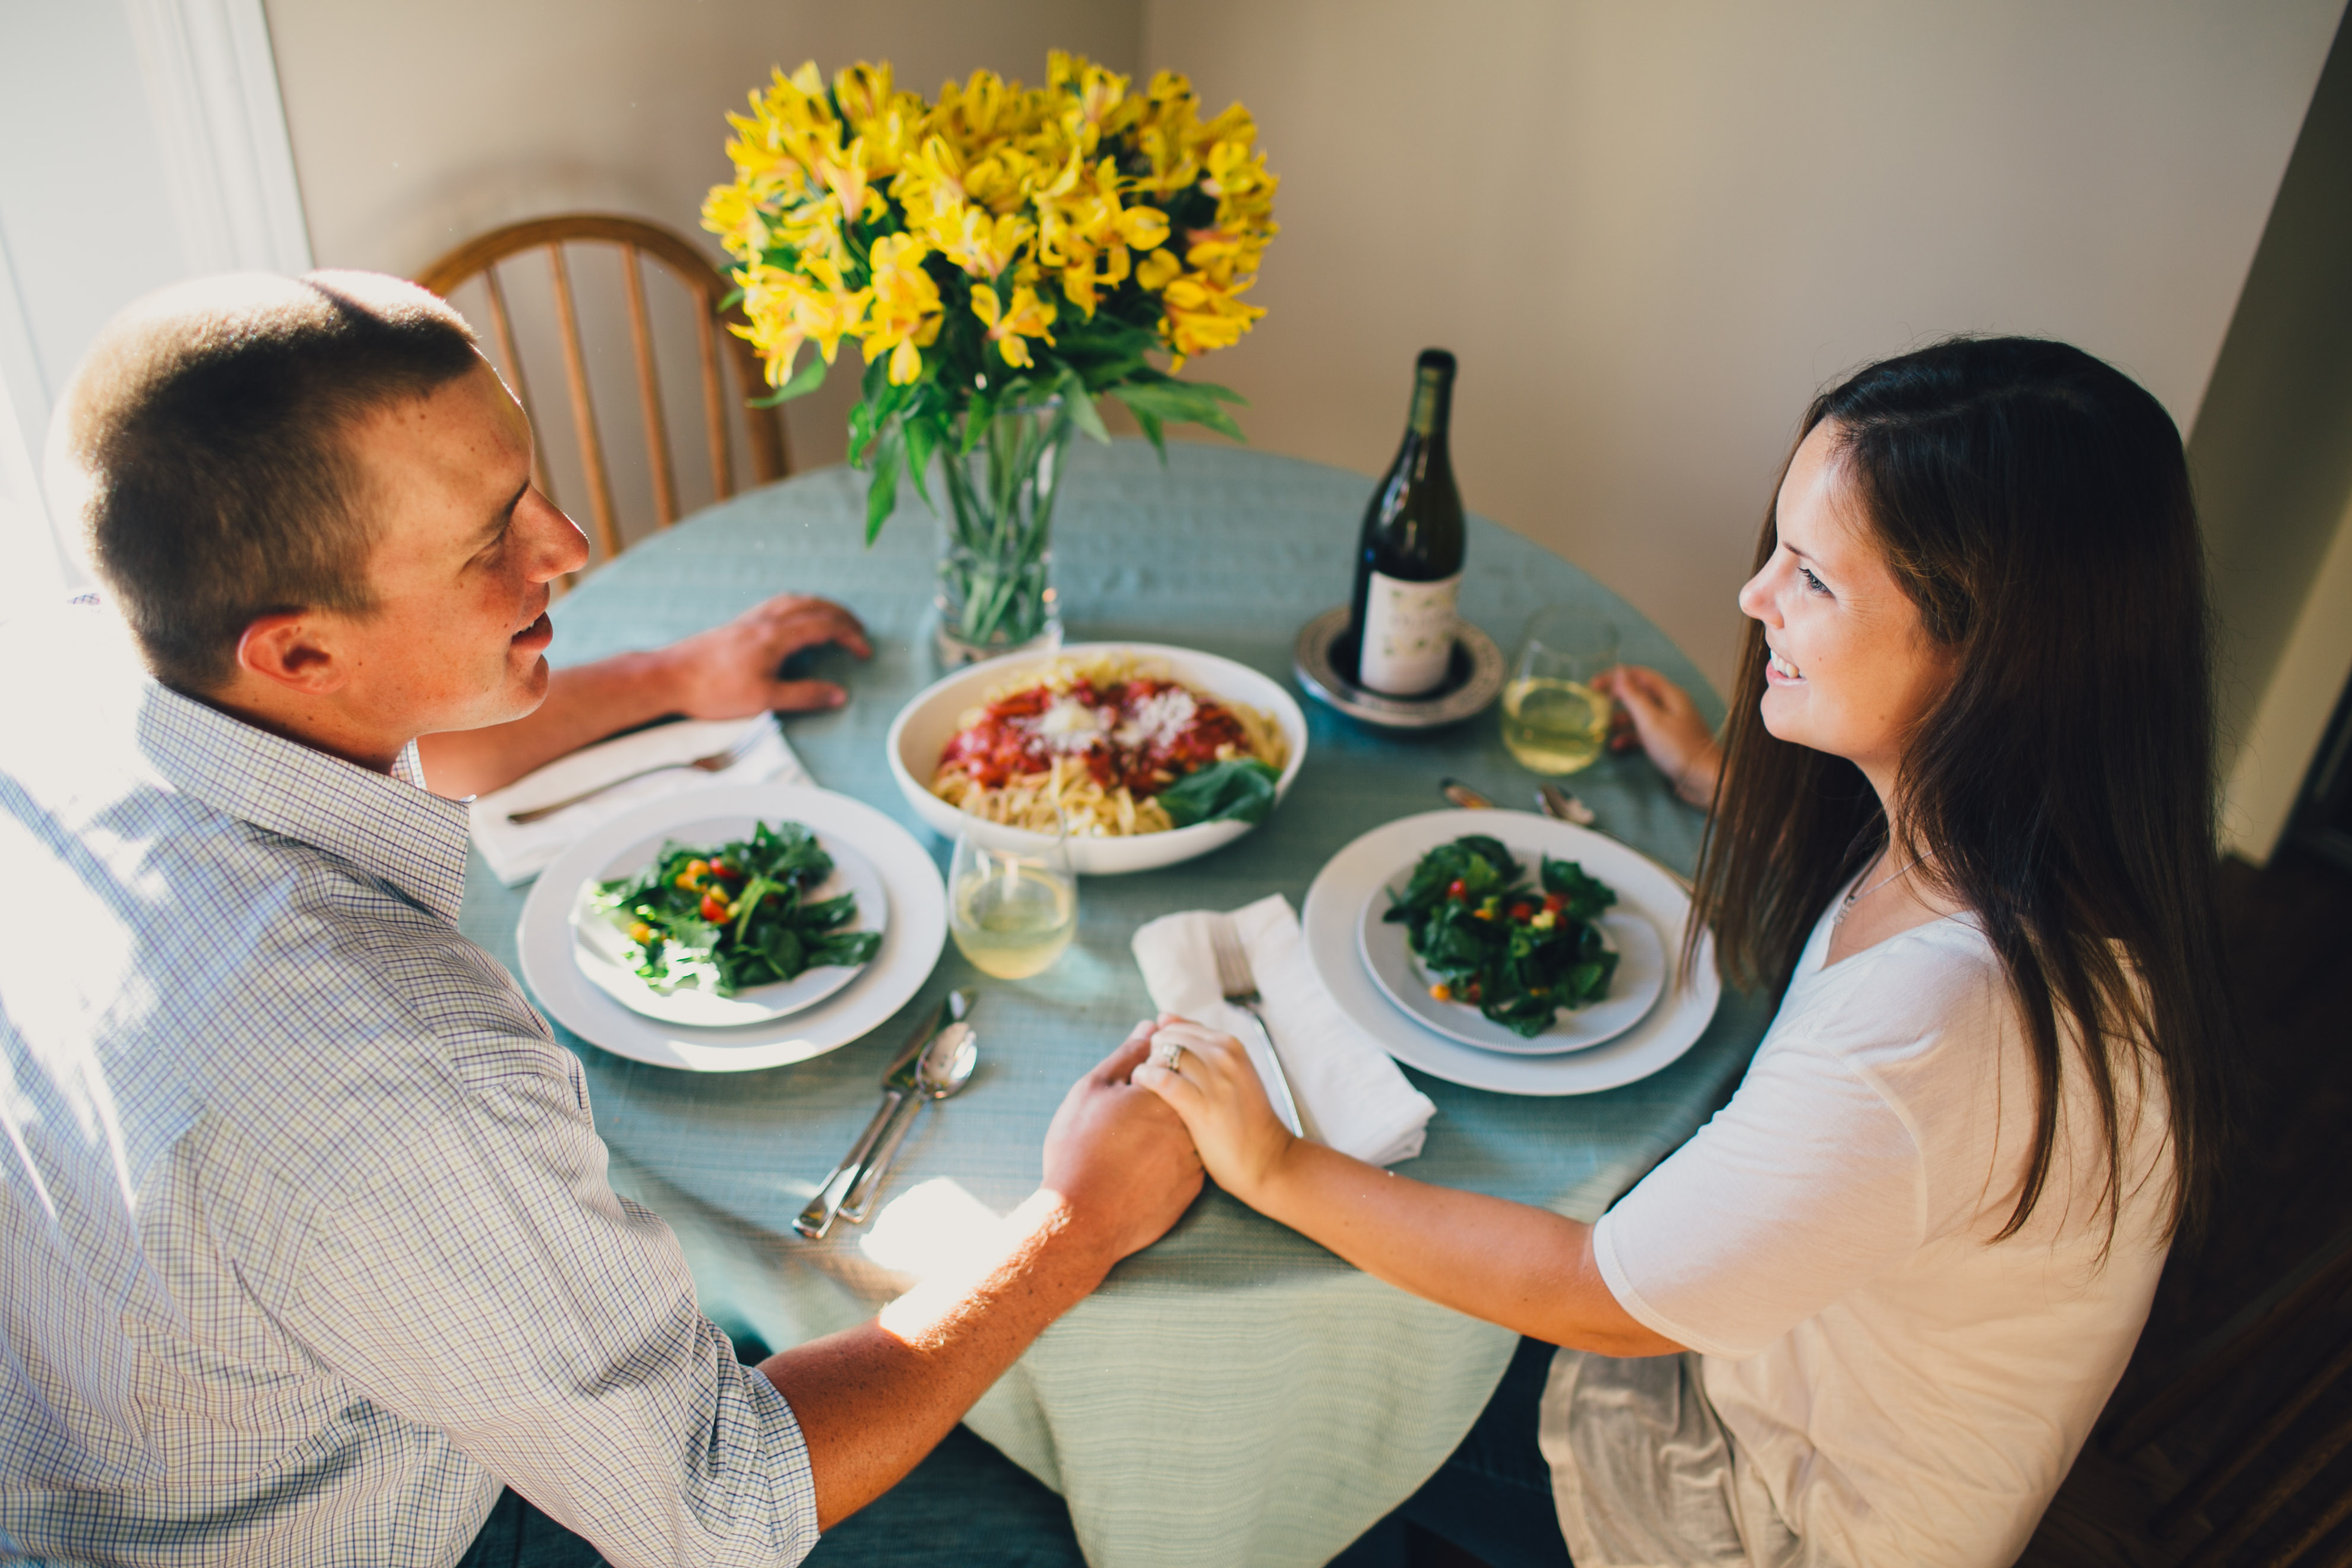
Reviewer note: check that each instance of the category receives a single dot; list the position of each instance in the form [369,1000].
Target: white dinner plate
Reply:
[911,941]
[1404,979]
[601,947]
[1335,904]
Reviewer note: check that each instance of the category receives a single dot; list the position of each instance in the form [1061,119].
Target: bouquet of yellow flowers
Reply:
[1004,249]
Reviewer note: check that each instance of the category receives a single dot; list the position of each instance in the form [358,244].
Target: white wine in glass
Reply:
[1553,721]
[1554,726]
[1012,912]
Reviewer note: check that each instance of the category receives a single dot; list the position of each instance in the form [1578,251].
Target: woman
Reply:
[1962,822]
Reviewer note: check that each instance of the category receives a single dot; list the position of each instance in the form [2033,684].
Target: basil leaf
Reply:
[1238,790]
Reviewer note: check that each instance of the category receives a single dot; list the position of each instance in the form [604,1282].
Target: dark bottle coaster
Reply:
[1473,681]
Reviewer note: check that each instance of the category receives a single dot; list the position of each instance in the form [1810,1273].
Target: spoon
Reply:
[946,1067]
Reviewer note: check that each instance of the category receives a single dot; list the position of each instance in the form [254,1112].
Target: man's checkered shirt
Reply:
[306,1244]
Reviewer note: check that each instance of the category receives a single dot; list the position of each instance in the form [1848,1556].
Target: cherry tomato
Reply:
[714,909]
[726,869]
[1441,992]
[1522,911]
[1554,902]
[1456,889]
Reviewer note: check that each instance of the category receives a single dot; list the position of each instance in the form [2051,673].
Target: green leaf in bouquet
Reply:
[1240,789]
[802,382]
[978,413]
[1185,403]
[1083,412]
[1146,422]
[923,437]
[882,490]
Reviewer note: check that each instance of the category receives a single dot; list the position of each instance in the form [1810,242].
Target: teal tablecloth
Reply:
[1234,1394]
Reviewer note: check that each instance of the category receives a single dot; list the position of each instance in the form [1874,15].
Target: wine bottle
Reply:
[1400,622]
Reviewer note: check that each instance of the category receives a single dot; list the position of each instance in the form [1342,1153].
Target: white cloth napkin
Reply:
[518,851]
[1349,1093]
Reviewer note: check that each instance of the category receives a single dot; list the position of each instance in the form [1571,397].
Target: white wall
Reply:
[2283,741]
[1651,231]
[143,144]
[419,125]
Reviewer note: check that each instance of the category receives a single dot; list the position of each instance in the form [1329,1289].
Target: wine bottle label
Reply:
[1408,634]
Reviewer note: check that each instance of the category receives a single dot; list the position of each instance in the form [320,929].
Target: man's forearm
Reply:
[584,704]
[873,1399]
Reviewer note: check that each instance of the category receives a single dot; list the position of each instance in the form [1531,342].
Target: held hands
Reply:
[1119,1157]
[1215,1087]
[1655,716]
[730,672]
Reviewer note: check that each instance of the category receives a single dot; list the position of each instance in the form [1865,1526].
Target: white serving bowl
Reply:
[929,720]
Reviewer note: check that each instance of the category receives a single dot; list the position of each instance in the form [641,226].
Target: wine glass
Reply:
[1012,910]
[1553,720]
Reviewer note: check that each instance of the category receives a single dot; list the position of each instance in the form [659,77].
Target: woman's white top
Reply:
[1903,1388]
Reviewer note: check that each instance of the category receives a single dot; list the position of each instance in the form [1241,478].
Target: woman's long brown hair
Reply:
[2035,503]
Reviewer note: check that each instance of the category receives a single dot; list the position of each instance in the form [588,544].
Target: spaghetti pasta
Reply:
[1091,742]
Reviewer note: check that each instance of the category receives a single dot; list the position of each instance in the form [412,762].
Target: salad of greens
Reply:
[1517,953]
[737,915]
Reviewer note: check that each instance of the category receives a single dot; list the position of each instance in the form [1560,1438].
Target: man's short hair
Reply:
[207,434]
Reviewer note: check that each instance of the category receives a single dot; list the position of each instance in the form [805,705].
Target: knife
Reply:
[898,1083]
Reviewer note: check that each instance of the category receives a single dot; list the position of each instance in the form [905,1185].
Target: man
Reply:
[306,1246]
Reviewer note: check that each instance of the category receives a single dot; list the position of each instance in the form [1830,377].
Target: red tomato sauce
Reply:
[1145,734]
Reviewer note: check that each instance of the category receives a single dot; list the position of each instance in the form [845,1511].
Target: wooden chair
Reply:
[482,257]
[2265,1487]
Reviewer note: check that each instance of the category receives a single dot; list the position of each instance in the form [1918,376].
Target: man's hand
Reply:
[730,672]
[1118,1156]
[873,1399]
[727,672]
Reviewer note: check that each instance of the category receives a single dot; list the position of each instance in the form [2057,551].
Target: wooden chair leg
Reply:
[2235,1344]
[2238,1454]
[2222,1547]
[2291,1552]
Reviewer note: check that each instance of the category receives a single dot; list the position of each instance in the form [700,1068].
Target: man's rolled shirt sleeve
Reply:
[478,1274]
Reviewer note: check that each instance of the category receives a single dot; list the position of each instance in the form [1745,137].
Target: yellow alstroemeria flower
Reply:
[887,121]
[1047,198]
[1156,270]
[844,173]
[933,177]
[1098,97]
[1202,317]
[732,213]
[788,309]
[1027,317]
[982,245]
[904,315]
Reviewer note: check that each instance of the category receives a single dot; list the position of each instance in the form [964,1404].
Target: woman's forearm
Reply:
[1511,1264]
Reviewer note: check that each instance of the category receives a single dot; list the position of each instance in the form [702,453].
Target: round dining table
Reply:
[1234,1394]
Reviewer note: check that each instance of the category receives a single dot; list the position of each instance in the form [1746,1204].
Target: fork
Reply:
[717,762]
[1239,984]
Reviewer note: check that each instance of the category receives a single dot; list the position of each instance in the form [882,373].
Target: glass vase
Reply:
[996,560]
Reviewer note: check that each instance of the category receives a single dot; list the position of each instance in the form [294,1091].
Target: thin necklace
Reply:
[1859,894]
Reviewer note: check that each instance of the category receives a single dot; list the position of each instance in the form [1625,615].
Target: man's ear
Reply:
[295,650]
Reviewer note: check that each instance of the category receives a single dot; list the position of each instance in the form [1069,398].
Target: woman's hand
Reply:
[1215,1087]
[1658,717]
